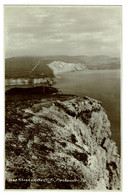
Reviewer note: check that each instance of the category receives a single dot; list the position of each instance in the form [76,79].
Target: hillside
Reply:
[22,67]
[60,142]
[39,66]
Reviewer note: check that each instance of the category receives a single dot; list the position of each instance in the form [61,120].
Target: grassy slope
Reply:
[22,66]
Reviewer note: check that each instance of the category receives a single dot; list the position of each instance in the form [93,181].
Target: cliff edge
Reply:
[60,144]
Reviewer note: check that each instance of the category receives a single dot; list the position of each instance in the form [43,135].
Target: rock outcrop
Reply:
[29,81]
[60,144]
[59,67]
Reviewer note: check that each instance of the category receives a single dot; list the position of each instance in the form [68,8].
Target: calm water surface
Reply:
[103,85]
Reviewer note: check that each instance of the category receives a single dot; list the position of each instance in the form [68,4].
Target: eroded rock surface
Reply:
[60,144]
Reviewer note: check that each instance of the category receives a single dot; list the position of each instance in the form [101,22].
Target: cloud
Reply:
[61,30]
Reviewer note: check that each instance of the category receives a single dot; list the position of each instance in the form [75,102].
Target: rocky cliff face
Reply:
[29,81]
[59,67]
[60,144]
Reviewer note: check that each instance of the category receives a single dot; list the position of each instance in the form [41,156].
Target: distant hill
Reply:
[39,66]
[103,62]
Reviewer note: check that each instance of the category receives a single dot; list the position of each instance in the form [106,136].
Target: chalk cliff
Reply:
[59,67]
[29,81]
[60,144]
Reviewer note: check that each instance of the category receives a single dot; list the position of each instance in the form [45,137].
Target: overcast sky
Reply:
[62,30]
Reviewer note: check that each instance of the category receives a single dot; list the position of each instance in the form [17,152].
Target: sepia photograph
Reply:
[62,97]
